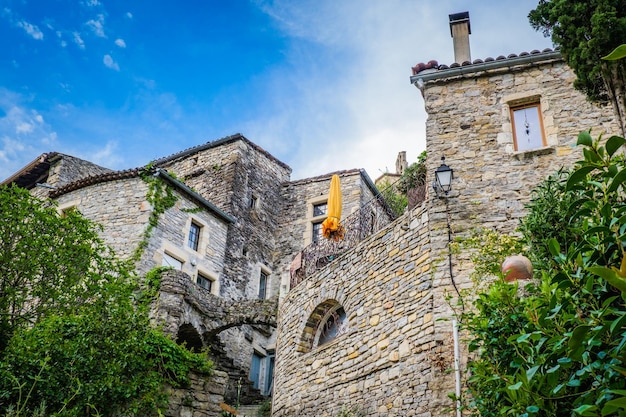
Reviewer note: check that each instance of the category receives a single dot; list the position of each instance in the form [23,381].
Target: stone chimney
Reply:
[460,30]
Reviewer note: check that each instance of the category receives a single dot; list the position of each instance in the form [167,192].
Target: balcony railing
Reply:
[369,219]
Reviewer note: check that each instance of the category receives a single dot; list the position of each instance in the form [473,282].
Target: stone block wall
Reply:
[201,399]
[230,173]
[469,123]
[120,206]
[384,363]
[297,209]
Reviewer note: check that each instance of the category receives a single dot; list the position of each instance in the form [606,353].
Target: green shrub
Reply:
[560,349]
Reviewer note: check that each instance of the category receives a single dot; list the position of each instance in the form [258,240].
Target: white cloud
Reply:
[97,25]
[78,40]
[92,3]
[24,133]
[129,15]
[120,43]
[107,156]
[110,63]
[31,29]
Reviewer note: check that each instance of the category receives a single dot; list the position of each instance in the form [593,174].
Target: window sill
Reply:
[534,152]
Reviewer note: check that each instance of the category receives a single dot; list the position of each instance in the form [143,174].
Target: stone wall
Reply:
[230,173]
[384,363]
[469,123]
[201,399]
[297,209]
[121,207]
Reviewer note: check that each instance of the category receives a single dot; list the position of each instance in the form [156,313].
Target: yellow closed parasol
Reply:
[331,228]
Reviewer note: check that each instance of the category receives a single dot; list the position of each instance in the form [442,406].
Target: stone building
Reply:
[374,329]
[235,227]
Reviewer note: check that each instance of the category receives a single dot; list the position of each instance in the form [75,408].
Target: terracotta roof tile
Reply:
[433,65]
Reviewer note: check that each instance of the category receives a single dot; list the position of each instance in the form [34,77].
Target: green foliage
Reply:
[617,53]
[546,219]
[487,249]
[585,31]
[265,410]
[560,349]
[396,194]
[161,197]
[49,264]
[77,341]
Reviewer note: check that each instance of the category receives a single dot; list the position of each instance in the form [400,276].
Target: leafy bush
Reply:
[78,335]
[560,350]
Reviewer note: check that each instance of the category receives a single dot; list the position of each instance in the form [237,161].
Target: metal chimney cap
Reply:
[456,18]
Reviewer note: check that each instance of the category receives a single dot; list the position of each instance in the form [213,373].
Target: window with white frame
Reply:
[527,126]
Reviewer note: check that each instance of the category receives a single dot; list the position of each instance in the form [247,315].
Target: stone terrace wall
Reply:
[201,399]
[383,363]
[469,123]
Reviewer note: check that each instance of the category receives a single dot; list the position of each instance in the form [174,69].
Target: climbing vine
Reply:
[161,197]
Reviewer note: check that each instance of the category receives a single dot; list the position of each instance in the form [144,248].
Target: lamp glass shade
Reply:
[444,177]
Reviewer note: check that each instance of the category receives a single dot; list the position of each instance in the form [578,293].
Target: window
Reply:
[320,209]
[333,325]
[527,126]
[194,236]
[317,232]
[204,282]
[262,285]
[255,369]
[254,201]
[169,260]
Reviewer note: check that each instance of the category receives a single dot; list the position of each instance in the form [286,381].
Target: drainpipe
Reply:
[457,367]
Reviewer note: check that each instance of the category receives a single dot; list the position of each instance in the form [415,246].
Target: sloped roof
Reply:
[134,173]
[31,173]
[213,144]
[433,70]
[325,177]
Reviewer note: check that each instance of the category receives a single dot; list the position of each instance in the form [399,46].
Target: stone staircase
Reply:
[248,395]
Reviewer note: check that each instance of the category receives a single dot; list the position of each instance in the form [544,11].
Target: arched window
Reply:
[332,325]
[327,322]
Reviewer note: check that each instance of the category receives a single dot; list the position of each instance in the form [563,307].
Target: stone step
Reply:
[248,410]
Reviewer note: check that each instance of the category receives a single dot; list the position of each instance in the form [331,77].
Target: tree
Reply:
[75,329]
[585,31]
[560,349]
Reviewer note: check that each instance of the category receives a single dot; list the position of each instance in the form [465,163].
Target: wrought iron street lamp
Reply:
[443,178]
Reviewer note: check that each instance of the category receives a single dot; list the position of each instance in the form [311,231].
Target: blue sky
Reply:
[323,85]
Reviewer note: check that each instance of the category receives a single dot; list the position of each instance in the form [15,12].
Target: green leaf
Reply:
[532,409]
[531,373]
[578,176]
[610,276]
[586,410]
[554,247]
[617,53]
[584,138]
[515,387]
[617,181]
[578,336]
[613,144]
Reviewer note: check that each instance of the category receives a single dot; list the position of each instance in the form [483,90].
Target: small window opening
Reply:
[262,285]
[204,282]
[194,236]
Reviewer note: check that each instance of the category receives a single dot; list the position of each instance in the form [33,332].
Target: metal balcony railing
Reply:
[369,219]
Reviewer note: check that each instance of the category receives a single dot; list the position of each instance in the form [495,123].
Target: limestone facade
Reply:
[399,287]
